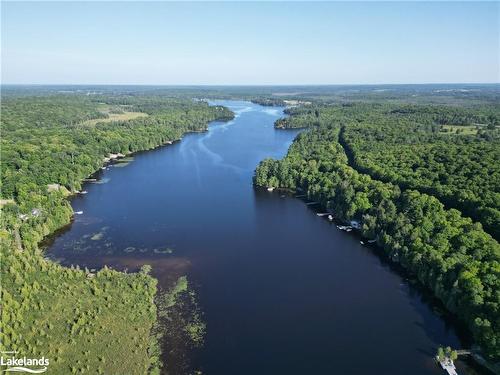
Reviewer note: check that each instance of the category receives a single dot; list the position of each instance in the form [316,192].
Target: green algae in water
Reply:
[171,297]
[166,250]
[179,307]
[97,236]
[196,329]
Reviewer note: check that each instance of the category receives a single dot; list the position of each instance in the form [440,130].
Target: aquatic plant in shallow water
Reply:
[166,250]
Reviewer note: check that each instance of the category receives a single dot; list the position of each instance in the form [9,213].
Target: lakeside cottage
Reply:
[355,224]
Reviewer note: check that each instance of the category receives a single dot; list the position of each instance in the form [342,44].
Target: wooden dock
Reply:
[448,366]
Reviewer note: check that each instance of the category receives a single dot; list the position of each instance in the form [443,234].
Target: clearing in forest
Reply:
[124,116]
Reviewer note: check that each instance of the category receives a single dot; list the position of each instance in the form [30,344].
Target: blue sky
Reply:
[249,42]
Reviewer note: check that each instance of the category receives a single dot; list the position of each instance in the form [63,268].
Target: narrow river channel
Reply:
[281,290]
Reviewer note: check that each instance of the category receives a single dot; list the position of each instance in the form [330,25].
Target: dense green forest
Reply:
[452,94]
[462,171]
[412,147]
[450,254]
[269,102]
[84,321]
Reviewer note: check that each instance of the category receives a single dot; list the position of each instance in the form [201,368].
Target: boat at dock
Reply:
[347,228]
[78,212]
[328,215]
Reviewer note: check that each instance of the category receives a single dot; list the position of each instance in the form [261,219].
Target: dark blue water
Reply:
[282,291]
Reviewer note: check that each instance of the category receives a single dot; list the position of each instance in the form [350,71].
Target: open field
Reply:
[459,129]
[125,116]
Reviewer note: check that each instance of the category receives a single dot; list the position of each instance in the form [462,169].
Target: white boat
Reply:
[79,212]
[83,192]
[361,242]
[270,189]
[347,228]
[330,217]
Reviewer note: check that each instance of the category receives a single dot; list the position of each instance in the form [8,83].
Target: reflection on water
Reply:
[282,291]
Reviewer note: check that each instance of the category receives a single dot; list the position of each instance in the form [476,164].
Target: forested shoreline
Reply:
[48,148]
[449,254]
[412,147]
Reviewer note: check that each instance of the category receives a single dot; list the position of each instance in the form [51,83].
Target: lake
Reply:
[281,290]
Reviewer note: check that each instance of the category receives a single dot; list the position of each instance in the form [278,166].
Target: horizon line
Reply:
[248,84]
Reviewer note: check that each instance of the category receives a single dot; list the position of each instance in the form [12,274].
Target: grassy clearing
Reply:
[459,129]
[112,117]
[6,201]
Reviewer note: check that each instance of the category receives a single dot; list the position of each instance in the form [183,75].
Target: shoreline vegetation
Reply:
[449,254]
[99,322]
